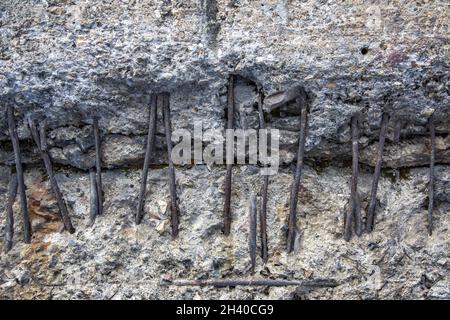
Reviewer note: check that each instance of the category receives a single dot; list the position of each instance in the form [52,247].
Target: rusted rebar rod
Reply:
[9,227]
[148,154]
[377,173]
[354,214]
[37,137]
[230,125]
[431,182]
[19,171]
[301,102]
[264,190]
[318,283]
[172,183]
[94,210]
[98,165]
[253,227]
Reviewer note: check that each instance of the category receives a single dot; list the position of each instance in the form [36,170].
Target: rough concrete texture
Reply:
[66,61]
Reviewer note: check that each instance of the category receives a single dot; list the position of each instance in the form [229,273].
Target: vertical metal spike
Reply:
[348,224]
[263,210]
[431,183]
[377,173]
[94,195]
[292,222]
[9,227]
[148,153]
[21,184]
[172,182]
[252,237]
[49,168]
[98,165]
[230,125]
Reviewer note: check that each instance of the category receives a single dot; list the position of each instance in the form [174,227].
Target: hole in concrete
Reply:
[245,112]
[364,50]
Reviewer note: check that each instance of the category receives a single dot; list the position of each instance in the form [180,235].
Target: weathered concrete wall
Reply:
[68,60]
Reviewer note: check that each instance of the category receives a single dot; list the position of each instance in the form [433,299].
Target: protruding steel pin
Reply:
[431,183]
[253,227]
[230,125]
[38,139]
[301,102]
[376,175]
[148,154]
[263,210]
[172,183]
[9,227]
[98,165]
[94,195]
[21,184]
[354,213]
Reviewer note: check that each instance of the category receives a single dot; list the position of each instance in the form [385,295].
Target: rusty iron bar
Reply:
[172,183]
[94,209]
[148,153]
[265,187]
[37,137]
[98,166]
[301,102]
[317,283]
[431,182]
[353,215]
[230,125]
[377,173]
[263,220]
[19,171]
[253,227]
[9,226]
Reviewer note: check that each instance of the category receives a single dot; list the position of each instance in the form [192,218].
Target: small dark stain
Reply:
[187,263]
[218,263]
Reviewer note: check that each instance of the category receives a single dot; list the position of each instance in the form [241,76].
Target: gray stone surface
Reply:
[66,61]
